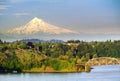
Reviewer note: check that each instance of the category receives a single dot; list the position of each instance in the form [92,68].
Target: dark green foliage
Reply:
[30,45]
[1,42]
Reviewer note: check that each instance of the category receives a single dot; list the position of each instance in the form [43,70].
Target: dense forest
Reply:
[50,56]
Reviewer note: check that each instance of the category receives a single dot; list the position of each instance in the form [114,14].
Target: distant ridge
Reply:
[37,25]
[38,40]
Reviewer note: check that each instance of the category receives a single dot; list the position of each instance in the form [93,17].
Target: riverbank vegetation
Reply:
[53,57]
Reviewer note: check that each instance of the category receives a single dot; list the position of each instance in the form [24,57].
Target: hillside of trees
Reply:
[53,57]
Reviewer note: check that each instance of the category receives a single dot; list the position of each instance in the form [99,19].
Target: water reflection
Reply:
[99,73]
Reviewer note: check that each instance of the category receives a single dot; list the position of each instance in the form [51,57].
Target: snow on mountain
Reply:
[39,26]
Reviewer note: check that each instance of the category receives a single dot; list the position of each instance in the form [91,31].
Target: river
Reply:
[99,73]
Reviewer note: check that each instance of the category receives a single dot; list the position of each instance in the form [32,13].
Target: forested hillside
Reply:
[50,57]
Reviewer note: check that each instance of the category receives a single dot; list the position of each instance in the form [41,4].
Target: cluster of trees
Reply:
[53,56]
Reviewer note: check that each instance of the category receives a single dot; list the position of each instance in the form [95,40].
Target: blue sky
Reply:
[88,16]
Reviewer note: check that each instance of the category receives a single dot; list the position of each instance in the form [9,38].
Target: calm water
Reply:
[99,73]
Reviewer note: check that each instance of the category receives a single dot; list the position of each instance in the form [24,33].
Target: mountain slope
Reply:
[39,26]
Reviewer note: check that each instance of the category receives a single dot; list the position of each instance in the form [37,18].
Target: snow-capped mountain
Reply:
[39,26]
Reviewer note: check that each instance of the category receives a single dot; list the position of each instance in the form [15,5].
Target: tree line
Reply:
[47,56]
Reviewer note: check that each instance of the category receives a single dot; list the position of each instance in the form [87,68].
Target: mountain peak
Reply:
[37,25]
[35,19]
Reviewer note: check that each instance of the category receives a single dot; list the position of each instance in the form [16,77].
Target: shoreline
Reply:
[33,71]
[37,71]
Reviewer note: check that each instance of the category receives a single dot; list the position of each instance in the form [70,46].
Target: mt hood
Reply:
[39,26]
